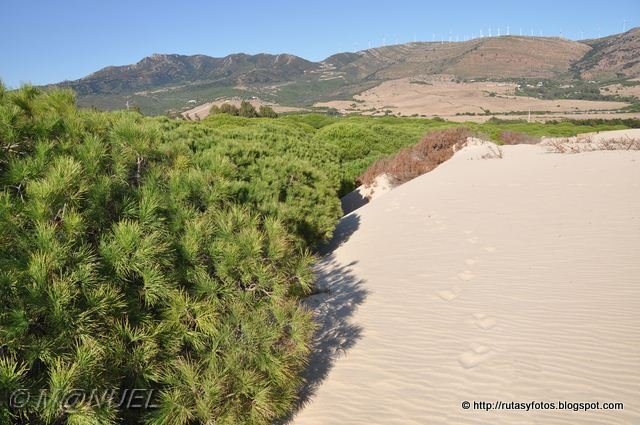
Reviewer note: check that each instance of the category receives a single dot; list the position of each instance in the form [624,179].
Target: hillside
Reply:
[163,82]
[492,57]
[162,70]
[616,56]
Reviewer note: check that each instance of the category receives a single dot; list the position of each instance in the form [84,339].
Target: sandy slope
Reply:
[513,279]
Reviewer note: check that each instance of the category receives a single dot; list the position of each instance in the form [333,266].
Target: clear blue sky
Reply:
[45,41]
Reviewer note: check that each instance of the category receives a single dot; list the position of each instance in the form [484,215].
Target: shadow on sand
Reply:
[345,228]
[338,294]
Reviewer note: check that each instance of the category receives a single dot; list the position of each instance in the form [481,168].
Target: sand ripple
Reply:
[515,279]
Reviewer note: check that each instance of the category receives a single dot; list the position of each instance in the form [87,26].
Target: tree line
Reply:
[246,110]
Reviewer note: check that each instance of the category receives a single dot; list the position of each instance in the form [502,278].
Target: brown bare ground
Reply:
[548,117]
[442,96]
[620,90]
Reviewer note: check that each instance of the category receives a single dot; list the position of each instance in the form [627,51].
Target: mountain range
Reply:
[164,82]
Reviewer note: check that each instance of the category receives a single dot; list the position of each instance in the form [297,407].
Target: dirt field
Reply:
[547,117]
[448,99]
[201,111]
[620,90]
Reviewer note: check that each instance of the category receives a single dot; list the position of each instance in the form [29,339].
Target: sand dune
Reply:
[513,279]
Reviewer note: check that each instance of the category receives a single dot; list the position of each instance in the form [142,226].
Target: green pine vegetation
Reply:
[149,252]
[131,259]
[246,110]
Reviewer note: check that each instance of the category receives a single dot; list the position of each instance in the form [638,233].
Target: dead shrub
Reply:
[588,144]
[515,138]
[495,152]
[435,148]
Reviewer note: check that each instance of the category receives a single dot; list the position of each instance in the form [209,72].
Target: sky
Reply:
[47,41]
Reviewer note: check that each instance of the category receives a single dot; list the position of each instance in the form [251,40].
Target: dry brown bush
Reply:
[588,144]
[495,152]
[435,148]
[516,138]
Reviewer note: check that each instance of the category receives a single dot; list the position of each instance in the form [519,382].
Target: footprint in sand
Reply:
[449,294]
[484,321]
[466,275]
[476,355]
[467,232]
[473,240]
[490,249]
[470,261]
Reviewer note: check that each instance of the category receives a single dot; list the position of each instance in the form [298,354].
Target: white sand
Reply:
[513,279]
[364,194]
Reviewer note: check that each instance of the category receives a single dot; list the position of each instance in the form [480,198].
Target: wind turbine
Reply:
[507,30]
[498,31]
[489,31]
[624,25]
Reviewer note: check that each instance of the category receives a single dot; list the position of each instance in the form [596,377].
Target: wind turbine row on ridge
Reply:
[451,38]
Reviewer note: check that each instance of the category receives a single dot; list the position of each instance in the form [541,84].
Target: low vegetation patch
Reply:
[246,110]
